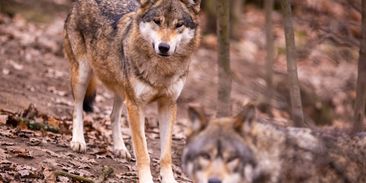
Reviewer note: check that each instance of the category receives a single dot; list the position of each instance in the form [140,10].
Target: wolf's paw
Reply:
[78,145]
[122,153]
[145,175]
[168,180]
[146,181]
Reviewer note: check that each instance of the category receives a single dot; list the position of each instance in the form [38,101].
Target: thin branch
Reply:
[106,172]
[270,54]
[224,70]
[297,114]
[360,103]
[73,177]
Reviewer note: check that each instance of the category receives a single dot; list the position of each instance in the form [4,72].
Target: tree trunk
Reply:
[268,6]
[359,112]
[209,7]
[295,96]
[236,14]
[224,71]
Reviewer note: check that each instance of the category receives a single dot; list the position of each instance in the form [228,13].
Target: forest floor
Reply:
[35,87]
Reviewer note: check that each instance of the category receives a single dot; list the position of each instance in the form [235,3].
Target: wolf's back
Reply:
[114,9]
[88,16]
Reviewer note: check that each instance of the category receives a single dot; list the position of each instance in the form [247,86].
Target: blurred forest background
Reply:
[36,102]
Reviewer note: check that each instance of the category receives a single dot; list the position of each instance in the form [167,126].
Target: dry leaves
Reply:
[34,145]
[29,145]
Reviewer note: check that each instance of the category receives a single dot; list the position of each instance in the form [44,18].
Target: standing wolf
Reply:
[242,150]
[140,50]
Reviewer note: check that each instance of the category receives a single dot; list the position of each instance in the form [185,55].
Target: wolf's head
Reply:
[215,151]
[170,26]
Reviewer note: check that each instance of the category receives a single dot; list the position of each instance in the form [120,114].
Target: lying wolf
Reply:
[241,150]
[141,51]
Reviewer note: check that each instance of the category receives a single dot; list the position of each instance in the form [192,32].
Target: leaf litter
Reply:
[34,140]
[34,147]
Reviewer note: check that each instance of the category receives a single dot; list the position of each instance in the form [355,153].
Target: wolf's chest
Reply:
[145,93]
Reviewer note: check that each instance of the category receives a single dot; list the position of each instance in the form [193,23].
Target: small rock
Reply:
[24,173]
[6,71]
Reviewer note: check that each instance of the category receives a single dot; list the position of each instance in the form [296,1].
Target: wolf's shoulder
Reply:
[89,16]
[110,9]
[113,9]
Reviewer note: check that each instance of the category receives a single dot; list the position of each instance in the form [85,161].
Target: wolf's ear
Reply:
[246,116]
[142,2]
[195,5]
[145,2]
[198,118]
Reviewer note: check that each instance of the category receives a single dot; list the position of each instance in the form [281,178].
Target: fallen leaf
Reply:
[7,144]
[22,153]
[15,65]
[52,122]
[34,142]
[3,119]
[48,174]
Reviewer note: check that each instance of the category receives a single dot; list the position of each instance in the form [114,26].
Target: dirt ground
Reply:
[33,71]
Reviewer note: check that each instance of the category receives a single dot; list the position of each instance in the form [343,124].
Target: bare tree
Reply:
[268,6]
[224,71]
[236,14]
[359,112]
[297,114]
[209,7]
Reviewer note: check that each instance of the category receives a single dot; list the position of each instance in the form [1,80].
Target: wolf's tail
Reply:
[90,94]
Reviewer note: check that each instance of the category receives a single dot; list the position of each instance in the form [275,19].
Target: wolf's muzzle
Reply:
[214,180]
[164,49]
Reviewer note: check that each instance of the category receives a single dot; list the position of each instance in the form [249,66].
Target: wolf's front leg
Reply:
[137,125]
[167,118]
[119,147]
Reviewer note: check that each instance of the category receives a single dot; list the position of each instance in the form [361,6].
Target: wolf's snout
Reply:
[164,48]
[214,180]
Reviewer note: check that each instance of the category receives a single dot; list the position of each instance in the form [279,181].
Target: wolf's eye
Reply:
[205,156]
[179,25]
[233,163]
[157,21]
[232,159]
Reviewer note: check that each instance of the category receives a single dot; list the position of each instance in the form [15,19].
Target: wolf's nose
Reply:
[164,48]
[214,180]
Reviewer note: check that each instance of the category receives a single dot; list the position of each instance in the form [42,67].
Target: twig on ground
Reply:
[106,172]
[73,177]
